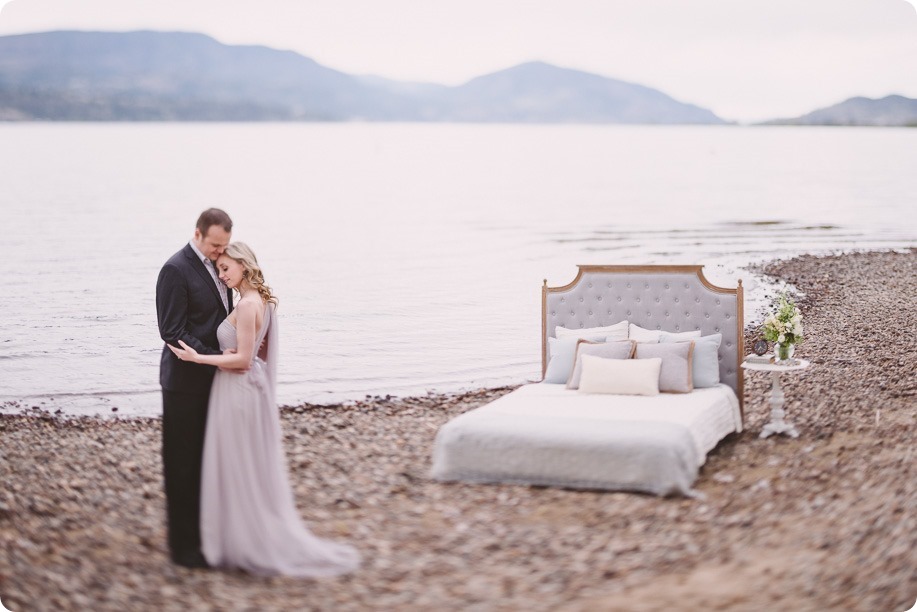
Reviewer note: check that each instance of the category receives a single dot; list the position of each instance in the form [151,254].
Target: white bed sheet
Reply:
[546,434]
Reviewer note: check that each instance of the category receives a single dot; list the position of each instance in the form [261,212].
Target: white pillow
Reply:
[620,376]
[618,331]
[635,332]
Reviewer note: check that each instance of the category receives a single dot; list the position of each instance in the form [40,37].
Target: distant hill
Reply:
[891,111]
[173,76]
[540,93]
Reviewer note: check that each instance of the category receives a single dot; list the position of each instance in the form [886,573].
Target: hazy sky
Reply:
[744,59]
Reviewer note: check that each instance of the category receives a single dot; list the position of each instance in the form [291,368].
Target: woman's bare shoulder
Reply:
[249,307]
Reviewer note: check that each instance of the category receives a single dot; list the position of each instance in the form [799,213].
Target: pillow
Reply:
[620,376]
[635,332]
[618,331]
[705,363]
[561,352]
[675,374]
[621,349]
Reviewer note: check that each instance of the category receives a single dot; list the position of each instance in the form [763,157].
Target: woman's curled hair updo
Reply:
[251,271]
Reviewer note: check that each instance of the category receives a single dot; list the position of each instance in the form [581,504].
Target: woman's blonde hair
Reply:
[251,271]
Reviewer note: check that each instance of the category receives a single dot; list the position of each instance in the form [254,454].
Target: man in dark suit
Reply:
[191,302]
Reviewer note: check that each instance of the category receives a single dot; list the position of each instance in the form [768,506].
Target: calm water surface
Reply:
[408,258]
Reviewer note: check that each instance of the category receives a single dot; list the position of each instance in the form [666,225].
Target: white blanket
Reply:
[544,434]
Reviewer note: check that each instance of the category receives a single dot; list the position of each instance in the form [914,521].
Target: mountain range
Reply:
[185,76]
[178,76]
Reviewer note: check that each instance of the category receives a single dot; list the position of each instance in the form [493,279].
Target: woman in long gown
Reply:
[248,513]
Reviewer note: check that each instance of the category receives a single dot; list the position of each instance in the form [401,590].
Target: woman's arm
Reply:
[246,322]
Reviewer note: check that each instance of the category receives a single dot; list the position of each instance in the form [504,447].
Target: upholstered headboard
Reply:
[670,298]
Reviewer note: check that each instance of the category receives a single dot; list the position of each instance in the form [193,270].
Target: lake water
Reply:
[408,258]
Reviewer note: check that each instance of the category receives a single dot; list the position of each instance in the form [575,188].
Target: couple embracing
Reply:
[228,498]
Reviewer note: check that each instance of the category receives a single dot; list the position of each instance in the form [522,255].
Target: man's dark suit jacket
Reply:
[189,308]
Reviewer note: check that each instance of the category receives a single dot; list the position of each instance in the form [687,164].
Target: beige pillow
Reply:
[618,331]
[620,376]
[622,349]
[675,376]
[640,334]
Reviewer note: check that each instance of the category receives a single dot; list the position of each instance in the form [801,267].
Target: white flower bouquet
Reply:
[784,327]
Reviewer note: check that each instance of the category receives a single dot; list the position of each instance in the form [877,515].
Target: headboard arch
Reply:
[670,298]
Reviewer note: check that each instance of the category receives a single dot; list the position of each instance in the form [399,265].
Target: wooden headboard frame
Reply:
[670,298]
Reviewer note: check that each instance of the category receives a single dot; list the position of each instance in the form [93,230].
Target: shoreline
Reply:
[822,521]
[760,289]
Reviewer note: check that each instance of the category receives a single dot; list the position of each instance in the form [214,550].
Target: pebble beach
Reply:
[824,521]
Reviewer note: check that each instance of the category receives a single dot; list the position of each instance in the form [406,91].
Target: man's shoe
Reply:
[194,559]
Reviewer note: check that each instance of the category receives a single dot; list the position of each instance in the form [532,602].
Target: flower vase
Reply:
[783,353]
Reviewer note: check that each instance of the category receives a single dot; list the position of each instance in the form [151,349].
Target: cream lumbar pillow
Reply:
[620,376]
[640,334]
[620,349]
[618,331]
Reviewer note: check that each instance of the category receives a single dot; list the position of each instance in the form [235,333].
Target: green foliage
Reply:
[784,325]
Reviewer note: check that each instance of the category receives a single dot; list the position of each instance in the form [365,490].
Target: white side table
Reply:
[777,424]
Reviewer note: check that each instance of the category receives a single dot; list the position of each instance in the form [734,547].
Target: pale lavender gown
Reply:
[248,514]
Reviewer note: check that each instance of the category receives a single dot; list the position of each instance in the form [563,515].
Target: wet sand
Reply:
[824,521]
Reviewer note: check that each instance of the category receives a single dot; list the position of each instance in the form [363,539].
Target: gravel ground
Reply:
[825,521]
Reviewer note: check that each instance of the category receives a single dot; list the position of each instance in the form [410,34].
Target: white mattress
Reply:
[545,434]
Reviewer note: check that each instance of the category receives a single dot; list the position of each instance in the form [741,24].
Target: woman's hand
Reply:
[186,353]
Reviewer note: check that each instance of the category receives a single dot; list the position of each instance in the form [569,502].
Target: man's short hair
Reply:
[213,216]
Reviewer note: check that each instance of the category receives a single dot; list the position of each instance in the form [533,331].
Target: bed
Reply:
[546,434]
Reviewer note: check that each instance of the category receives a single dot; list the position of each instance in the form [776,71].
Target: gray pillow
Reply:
[705,364]
[675,375]
[561,352]
[619,349]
